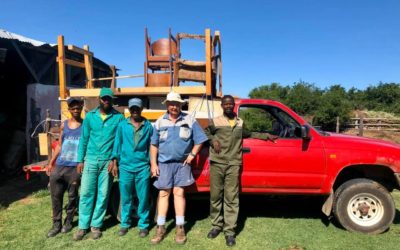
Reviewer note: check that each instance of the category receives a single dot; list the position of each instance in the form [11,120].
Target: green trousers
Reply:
[224,196]
[95,189]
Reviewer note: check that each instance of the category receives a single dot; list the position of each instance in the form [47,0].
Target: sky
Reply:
[324,42]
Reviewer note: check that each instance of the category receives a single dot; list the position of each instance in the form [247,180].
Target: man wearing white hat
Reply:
[176,139]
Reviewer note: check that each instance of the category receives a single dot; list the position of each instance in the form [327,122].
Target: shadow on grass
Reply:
[397,217]
[19,188]
[260,206]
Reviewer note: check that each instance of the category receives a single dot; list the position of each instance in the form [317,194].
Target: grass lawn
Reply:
[264,223]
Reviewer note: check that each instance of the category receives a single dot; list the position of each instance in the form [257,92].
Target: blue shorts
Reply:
[174,175]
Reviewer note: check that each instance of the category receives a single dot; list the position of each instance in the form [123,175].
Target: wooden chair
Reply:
[209,71]
[160,57]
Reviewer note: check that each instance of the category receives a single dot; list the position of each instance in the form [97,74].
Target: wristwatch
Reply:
[191,153]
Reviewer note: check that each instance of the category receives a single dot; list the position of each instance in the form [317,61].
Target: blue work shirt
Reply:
[131,146]
[97,139]
[176,140]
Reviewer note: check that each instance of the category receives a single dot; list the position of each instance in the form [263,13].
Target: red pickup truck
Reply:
[355,174]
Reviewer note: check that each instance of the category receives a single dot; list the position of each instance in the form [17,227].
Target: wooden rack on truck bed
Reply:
[164,70]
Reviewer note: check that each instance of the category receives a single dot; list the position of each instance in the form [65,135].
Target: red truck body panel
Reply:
[297,165]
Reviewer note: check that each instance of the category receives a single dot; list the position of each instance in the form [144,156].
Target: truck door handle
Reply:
[246,150]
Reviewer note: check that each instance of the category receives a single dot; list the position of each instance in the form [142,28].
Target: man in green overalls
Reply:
[95,164]
[131,153]
[225,134]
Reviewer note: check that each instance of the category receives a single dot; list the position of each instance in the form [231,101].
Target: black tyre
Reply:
[114,205]
[363,205]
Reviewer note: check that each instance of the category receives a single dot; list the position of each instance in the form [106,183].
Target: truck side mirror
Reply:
[305,132]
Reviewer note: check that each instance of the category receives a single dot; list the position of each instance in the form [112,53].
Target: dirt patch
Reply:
[26,201]
[19,189]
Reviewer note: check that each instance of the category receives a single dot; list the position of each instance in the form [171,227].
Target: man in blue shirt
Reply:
[62,169]
[176,139]
[131,154]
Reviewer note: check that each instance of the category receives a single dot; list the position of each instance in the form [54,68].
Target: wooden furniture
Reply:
[160,56]
[209,71]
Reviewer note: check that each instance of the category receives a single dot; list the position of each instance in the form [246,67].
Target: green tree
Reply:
[333,104]
[356,98]
[273,91]
[384,97]
[304,98]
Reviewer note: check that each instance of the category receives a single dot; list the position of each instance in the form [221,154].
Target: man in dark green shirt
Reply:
[225,134]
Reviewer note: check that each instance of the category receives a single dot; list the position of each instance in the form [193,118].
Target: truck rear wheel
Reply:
[363,205]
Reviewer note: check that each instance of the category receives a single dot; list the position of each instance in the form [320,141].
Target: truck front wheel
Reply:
[363,205]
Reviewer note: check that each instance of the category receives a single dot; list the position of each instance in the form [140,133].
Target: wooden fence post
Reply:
[337,124]
[361,127]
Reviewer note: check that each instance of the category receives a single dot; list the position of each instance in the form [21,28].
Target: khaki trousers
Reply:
[224,196]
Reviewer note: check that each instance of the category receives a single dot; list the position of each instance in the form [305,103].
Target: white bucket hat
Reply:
[173,97]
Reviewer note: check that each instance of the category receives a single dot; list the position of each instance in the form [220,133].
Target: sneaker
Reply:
[80,234]
[143,233]
[55,229]
[122,231]
[159,236]
[67,227]
[96,233]
[180,236]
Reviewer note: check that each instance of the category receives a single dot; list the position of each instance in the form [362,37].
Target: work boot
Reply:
[96,233]
[213,233]
[122,231]
[55,229]
[67,227]
[159,236]
[230,240]
[80,234]
[180,236]
[143,233]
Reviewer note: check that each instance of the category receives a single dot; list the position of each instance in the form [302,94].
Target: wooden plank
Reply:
[79,50]
[183,90]
[152,115]
[378,124]
[43,150]
[116,77]
[208,63]
[113,79]
[73,63]
[62,77]
[88,67]
[190,36]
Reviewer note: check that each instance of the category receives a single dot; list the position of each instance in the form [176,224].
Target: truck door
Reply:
[289,163]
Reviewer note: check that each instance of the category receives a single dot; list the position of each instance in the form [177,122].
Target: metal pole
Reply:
[47,130]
